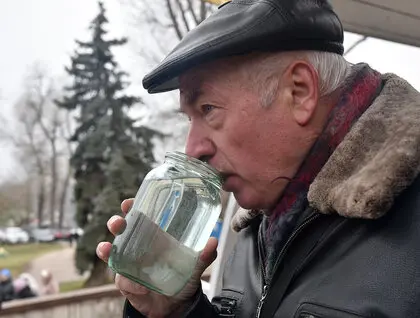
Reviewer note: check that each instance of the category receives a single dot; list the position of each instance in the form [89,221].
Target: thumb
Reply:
[207,256]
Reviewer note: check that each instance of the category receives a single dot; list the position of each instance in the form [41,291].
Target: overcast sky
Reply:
[45,30]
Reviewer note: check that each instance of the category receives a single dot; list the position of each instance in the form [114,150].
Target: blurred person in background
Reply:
[49,285]
[25,286]
[6,286]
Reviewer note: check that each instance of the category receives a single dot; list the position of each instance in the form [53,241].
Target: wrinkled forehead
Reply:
[192,80]
[217,74]
[189,88]
[188,95]
[193,84]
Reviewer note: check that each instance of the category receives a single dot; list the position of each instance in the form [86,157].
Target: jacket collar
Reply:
[378,158]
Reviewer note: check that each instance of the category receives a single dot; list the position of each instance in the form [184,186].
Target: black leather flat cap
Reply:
[244,26]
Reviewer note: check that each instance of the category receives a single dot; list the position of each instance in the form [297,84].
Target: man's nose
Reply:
[199,145]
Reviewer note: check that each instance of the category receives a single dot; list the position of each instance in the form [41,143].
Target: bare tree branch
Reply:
[38,141]
[175,23]
[38,106]
[42,93]
[36,151]
[203,10]
[5,134]
[158,41]
[356,44]
[152,56]
[151,17]
[192,11]
[183,13]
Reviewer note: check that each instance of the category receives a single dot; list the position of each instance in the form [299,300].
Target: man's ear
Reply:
[304,93]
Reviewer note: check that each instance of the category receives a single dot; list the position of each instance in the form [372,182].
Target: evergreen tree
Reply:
[112,155]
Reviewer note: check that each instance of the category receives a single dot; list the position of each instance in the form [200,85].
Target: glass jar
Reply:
[172,217]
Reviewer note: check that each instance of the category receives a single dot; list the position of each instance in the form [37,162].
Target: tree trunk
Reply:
[29,200]
[41,200]
[98,275]
[63,198]
[53,189]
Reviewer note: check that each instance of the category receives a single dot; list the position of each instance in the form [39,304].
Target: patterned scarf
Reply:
[363,87]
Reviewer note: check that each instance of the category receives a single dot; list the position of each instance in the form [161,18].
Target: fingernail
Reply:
[112,219]
[101,246]
[98,249]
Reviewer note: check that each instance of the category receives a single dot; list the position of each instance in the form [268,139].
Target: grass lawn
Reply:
[21,255]
[72,285]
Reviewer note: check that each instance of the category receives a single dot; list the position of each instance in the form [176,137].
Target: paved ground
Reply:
[60,263]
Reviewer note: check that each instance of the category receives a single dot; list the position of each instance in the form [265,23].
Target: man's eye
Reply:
[207,108]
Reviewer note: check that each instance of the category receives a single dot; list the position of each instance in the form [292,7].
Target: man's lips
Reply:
[224,176]
[228,182]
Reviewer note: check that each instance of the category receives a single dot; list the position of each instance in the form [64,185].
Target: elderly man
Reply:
[322,155]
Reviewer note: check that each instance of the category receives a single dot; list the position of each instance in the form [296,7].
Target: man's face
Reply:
[255,148]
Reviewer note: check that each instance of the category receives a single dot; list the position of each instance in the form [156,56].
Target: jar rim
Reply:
[196,162]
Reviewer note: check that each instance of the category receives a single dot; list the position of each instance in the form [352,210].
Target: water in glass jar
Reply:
[166,231]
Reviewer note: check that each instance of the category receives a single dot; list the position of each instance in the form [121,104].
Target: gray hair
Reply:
[332,69]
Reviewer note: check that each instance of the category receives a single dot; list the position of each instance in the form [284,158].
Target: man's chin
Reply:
[246,201]
[230,184]
[245,196]
[250,200]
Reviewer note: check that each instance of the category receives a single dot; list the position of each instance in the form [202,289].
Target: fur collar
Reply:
[376,161]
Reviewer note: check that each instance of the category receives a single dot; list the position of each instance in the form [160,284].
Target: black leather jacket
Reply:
[331,267]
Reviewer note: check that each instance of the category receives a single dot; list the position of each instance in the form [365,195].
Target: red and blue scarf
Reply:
[362,87]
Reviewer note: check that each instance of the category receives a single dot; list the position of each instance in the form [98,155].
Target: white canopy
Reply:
[392,20]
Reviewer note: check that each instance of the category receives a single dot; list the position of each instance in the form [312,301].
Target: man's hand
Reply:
[147,302]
